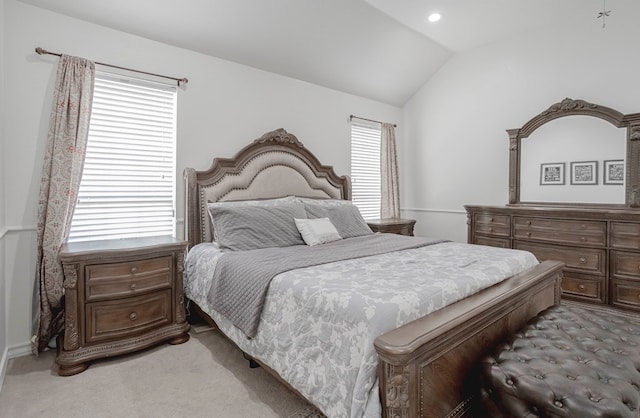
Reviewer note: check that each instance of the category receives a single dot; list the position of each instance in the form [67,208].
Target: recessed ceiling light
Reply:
[434,17]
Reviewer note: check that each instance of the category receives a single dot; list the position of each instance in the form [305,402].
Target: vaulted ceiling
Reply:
[380,49]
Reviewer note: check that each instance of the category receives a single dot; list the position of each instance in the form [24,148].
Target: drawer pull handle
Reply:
[582,260]
[490,229]
[133,286]
[528,222]
[134,270]
[583,239]
[528,234]
[490,219]
[581,287]
[133,316]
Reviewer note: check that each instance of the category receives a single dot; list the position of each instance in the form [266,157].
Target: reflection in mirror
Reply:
[570,160]
[572,154]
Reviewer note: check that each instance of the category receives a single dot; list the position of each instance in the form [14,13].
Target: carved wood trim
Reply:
[179,289]
[279,136]
[514,166]
[71,317]
[573,107]
[192,222]
[396,390]
[83,354]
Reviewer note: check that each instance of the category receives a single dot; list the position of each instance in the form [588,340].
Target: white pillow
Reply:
[317,231]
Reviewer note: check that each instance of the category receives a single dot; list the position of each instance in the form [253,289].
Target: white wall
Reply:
[455,146]
[4,314]
[222,108]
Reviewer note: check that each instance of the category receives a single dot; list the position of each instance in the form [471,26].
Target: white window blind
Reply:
[128,185]
[365,167]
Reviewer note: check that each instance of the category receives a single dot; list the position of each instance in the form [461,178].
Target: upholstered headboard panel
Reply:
[274,165]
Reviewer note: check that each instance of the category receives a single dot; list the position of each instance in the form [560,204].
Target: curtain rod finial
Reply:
[183,81]
[40,51]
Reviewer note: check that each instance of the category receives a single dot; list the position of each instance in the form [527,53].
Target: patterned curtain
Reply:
[61,174]
[390,195]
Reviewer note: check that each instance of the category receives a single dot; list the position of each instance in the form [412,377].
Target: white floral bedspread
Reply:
[319,323]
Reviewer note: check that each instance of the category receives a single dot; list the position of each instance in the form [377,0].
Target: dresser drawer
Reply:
[592,233]
[625,294]
[625,235]
[124,279]
[625,264]
[584,287]
[580,260]
[488,224]
[116,319]
[493,242]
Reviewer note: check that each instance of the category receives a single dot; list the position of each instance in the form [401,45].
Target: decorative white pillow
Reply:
[317,231]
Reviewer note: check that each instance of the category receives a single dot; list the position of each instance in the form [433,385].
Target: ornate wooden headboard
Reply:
[274,165]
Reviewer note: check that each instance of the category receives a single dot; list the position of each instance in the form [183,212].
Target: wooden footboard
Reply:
[428,366]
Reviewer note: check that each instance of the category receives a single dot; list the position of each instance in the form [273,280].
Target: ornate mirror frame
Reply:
[571,107]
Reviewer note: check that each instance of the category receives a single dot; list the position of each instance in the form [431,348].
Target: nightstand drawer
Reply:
[123,279]
[118,319]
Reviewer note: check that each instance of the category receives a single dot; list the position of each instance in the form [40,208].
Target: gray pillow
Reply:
[257,202]
[345,217]
[250,227]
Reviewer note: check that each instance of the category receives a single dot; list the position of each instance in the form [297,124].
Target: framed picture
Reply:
[584,172]
[613,172]
[551,173]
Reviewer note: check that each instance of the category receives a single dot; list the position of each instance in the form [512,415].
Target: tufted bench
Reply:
[569,361]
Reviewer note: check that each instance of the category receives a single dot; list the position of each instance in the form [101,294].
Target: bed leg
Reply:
[252,363]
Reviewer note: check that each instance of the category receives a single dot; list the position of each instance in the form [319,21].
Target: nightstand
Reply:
[121,296]
[392,225]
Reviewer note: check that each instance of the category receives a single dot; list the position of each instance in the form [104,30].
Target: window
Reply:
[365,167]
[128,182]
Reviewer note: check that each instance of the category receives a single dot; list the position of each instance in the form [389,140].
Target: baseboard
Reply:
[19,350]
[9,353]
[4,362]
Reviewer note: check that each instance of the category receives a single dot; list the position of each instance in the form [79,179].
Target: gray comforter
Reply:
[319,323]
[241,278]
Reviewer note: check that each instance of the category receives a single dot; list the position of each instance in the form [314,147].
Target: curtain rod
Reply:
[179,81]
[370,120]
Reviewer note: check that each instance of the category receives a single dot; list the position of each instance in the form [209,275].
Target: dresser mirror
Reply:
[576,153]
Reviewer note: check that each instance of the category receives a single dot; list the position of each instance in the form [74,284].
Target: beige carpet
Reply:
[204,377]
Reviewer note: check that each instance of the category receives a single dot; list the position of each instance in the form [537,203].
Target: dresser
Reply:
[392,225]
[600,247]
[120,296]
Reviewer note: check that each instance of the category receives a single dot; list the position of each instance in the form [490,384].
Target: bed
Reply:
[386,359]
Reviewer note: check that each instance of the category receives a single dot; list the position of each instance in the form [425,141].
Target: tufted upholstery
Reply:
[568,362]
